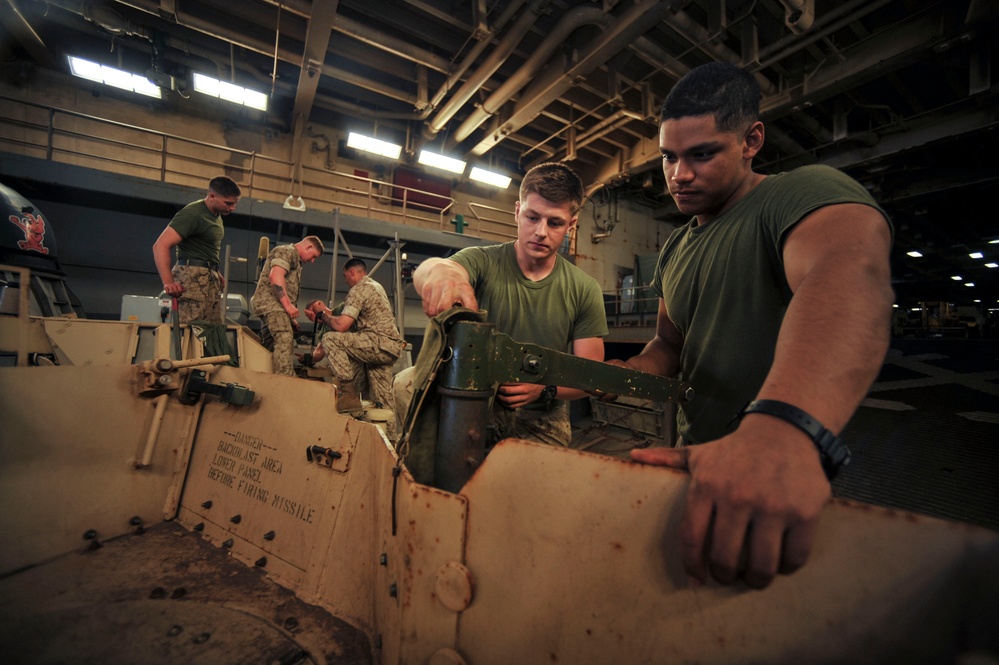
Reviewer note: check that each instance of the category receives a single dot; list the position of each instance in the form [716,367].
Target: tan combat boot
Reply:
[347,398]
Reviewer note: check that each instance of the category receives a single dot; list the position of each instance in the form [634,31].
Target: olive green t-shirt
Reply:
[201,230]
[564,306]
[724,288]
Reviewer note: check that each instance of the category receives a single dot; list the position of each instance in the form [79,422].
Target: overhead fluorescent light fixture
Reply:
[373,145]
[992,265]
[115,78]
[490,178]
[969,283]
[428,158]
[956,278]
[236,94]
[915,254]
[977,255]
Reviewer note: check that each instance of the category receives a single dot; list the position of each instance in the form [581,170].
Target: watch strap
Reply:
[833,453]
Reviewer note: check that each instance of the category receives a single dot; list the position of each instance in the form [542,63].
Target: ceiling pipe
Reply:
[472,56]
[799,15]
[492,63]
[556,80]
[212,30]
[389,44]
[612,122]
[569,23]
[702,39]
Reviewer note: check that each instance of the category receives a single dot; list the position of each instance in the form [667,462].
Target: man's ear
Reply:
[753,141]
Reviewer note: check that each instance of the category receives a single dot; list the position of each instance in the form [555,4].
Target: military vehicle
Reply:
[162,509]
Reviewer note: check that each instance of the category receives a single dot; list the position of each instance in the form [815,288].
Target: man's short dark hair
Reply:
[355,263]
[720,89]
[556,182]
[223,185]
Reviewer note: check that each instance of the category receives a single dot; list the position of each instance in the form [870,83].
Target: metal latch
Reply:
[230,393]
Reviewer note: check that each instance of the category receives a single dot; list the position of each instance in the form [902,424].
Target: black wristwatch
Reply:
[833,453]
[548,395]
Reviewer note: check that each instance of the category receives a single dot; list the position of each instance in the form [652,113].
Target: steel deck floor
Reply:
[925,440]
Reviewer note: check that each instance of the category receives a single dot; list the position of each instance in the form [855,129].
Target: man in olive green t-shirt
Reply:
[196,231]
[530,293]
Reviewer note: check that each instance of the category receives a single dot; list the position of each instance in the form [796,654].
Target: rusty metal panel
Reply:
[69,443]
[575,560]
[249,472]
[430,541]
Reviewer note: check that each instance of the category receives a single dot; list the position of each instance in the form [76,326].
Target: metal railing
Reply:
[634,306]
[66,136]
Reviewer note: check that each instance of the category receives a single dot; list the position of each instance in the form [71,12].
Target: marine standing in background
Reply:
[275,298]
[364,356]
[196,231]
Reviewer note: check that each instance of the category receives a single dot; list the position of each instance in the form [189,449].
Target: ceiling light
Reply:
[490,178]
[969,283]
[994,242]
[373,145]
[956,278]
[116,78]
[976,255]
[914,254]
[444,162]
[992,265]
[236,94]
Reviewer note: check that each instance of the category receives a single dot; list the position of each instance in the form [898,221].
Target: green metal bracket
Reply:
[483,357]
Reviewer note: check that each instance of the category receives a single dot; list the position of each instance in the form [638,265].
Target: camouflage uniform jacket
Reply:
[264,300]
[368,304]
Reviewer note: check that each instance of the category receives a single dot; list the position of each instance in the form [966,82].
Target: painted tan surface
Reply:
[547,555]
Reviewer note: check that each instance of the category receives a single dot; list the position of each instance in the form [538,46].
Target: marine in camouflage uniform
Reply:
[364,356]
[196,232]
[275,297]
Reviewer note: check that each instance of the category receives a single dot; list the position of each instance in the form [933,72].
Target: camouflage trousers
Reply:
[548,427]
[202,296]
[367,360]
[278,337]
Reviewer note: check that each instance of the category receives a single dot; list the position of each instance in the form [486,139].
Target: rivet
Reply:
[261,562]
[236,519]
[269,535]
[135,521]
[383,559]
[89,534]
[207,504]
[227,543]
[393,590]
[200,526]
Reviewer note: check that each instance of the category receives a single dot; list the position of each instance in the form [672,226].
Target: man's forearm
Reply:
[161,257]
